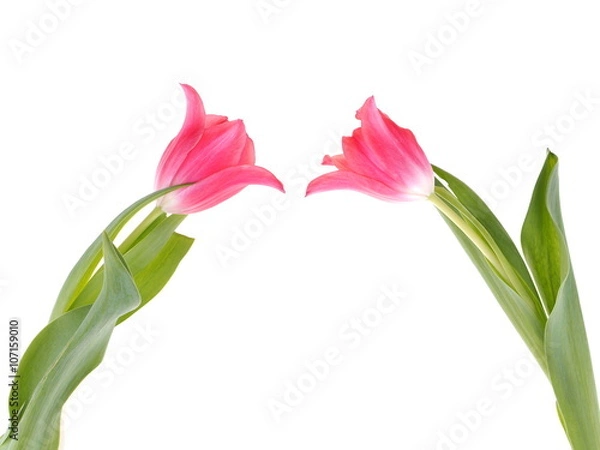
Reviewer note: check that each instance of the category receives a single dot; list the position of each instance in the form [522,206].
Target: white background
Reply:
[229,333]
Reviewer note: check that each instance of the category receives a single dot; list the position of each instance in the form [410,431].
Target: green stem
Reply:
[503,267]
[464,220]
[140,229]
[473,236]
[87,264]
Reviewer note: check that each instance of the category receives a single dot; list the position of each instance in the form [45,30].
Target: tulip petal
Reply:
[221,146]
[185,141]
[380,159]
[397,147]
[349,180]
[248,156]
[407,139]
[388,147]
[218,188]
[359,157]
[214,119]
[339,161]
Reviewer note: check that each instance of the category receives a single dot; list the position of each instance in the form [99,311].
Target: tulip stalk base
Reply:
[538,293]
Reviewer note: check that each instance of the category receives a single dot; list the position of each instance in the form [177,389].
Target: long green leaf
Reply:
[84,269]
[154,276]
[501,240]
[65,352]
[520,312]
[152,262]
[567,351]
[542,236]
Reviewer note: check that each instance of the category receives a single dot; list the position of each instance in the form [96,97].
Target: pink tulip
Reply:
[380,159]
[213,153]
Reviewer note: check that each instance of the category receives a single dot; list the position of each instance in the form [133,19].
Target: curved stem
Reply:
[473,236]
[140,229]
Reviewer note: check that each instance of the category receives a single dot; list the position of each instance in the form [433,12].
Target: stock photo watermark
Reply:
[102,378]
[145,129]
[264,216]
[267,9]
[437,43]
[14,354]
[582,106]
[350,337]
[502,387]
[37,32]
[114,365]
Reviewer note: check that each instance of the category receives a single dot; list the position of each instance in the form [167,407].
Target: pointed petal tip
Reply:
[256,175]
[327,161]
[238,123]
[317,185]
[278,185]
[189,90]
[190,133]
[195,105]
[219,187]
[310,190]
[368,104]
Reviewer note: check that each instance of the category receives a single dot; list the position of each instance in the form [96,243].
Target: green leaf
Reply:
[152,261]
[153,278]
[520,312]
[84,269]
[567,351]
[508,277]
[501,239]
[65,352]
[542,238]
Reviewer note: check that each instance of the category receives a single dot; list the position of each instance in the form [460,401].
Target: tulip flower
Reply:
[210,160]
[381,159]
[212,154]
[538,293]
